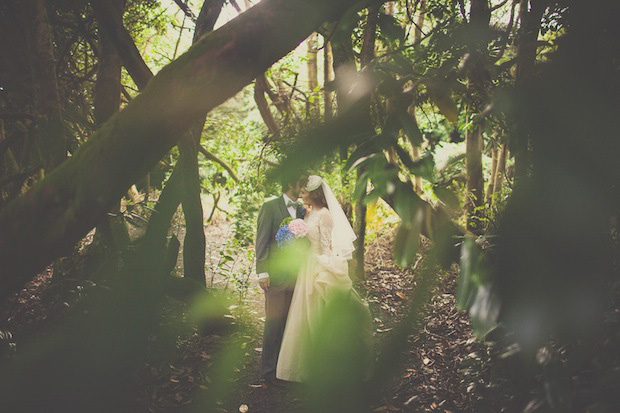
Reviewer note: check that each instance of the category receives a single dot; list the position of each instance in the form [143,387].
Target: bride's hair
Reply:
[318,197]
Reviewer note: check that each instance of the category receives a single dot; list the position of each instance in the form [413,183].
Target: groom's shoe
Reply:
[267,382]
[279,383]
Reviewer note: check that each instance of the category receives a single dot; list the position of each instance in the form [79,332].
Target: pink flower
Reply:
[298,228]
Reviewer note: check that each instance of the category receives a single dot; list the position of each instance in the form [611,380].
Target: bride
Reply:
[324,275]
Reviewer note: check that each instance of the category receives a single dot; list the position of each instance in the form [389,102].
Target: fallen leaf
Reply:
[412,398]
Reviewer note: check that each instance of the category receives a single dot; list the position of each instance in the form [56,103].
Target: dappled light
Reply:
[309,205]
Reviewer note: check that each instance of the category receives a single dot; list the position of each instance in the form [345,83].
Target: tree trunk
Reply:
[130,55]
[51,128]
[113,231]
[500,171]
[328,76]
[415,155]
[417,32]
[475,181]
[526,59]
[312,105]
[194,244]
[344,68]
[367,54]
[344,63]
[490,185]
[417,35]
[188,179]
[480,15]
[69,202]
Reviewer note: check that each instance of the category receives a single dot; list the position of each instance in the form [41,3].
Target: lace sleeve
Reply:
[325,231]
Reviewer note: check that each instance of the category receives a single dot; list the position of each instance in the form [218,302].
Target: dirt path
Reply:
[431,379]
[433,376]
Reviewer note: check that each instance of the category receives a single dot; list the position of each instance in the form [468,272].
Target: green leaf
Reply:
[311,146]
[404,156]
[407,242]
[387,85]
[392,125]
[407,203]
[446,196]
[372,196]
[469,278]
[362,151]
[410,127]
[484,311]
[404,64]
[440,93]
[424,167]
[391,28]
[361,185]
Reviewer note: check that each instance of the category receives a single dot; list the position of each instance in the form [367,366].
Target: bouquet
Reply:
[290,230]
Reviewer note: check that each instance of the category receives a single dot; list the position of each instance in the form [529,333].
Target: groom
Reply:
[278,287]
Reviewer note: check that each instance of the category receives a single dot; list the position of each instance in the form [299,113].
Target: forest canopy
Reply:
[475,134]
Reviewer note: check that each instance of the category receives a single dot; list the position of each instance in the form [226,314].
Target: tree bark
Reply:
[188,178]
[127,49]
[312,105]
[526,59]
[475,180]
[417,35]
[113,230]
[343,63]
[328,76]
[51,129]
[367,54]
[500,171]
[480,15]
[46,222]
[490,185]
[194,244]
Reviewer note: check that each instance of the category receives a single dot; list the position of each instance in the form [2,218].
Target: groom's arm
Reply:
[263,238]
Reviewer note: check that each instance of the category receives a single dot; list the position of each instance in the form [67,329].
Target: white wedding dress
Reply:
[322,274]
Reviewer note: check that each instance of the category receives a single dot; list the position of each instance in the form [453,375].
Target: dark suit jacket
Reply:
[271,215]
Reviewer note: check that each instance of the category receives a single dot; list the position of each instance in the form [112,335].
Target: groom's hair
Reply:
[290,180]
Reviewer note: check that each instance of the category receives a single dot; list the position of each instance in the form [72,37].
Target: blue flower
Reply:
[284,236]
[301,211]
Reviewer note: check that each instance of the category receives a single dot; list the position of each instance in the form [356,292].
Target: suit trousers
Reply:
[277,302]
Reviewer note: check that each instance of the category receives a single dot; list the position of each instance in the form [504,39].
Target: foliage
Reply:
[540,284]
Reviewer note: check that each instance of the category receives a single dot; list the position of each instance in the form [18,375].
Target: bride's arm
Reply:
[326,224]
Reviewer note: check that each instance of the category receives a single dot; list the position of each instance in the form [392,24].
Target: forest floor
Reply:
[433,375]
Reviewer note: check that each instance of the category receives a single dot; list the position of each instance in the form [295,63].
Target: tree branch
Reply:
[132,60]
[211,156]
[188,12]
[47,221]
[17,115]
[499,6]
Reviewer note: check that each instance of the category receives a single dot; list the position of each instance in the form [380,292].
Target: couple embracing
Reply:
[293,305]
